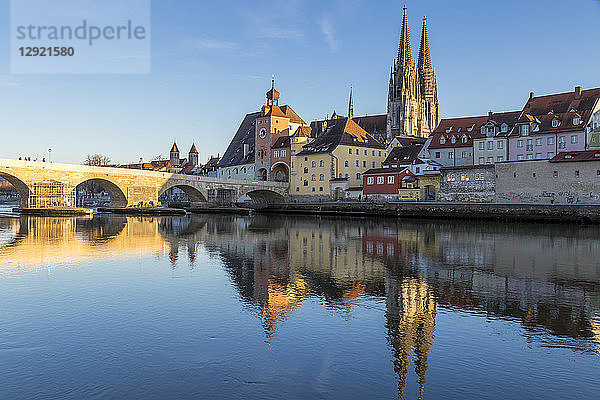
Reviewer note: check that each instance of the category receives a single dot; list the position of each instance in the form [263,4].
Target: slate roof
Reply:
[395,170]
[572,156]
[404,155]
[340,131]
[281,143]
[372,123]
[234,155]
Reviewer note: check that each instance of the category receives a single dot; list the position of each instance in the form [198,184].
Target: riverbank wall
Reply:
[478,211]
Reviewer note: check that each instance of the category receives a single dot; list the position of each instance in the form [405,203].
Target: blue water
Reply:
[297,308]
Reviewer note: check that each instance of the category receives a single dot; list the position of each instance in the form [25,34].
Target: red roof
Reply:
[456,132]
[572,156]
[193,149]
[174,149]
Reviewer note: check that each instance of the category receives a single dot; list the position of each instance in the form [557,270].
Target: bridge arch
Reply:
[280,172]
[20,186]
[118,198]
[263,196]
[195,195]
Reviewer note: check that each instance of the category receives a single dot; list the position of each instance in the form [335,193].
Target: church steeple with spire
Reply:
[412,96]
[351,105]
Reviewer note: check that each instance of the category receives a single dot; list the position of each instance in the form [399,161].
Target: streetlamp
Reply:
[49,154]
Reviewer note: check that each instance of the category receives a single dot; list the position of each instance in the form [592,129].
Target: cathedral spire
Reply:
[404,50]
[351,105]
[424,57]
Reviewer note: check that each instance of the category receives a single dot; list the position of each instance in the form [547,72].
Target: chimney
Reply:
[531,95]
[577,92]
[490,114]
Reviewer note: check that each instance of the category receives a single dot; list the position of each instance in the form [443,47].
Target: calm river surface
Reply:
[297,308]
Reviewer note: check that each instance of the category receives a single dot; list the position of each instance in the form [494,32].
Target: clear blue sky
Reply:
[212,62]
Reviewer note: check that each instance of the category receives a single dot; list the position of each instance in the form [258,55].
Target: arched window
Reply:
[314,164]
[346,163]
[321,163]
[453,140]
[305,183]
[313,177]
[321,177]
[442,140]
[306,170]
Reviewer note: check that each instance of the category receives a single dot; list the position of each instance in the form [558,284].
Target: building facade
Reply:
[490,144]
[451,143]
[343,151]
[413,108]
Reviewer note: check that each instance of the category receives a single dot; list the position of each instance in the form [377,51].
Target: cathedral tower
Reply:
[412,96]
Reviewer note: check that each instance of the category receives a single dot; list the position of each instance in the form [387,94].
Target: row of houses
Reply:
[547,125]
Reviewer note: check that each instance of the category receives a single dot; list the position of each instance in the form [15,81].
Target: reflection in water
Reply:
[545,277]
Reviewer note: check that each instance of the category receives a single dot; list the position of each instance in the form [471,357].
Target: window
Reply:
[451,155]
[481,145]
[379,154]
[373,164]
[520,157]
[538,156]
[453,140]
[530,156]
[519,143]
[481,160]
[504,128]
[574,139]
[305,183]
[555,174]
[437,154]
[276,153]
[499,158]
[320,188]
[364,164]
[305,158]
[550,141]
[357,151]
[500,144]
[297,189]
[529,145]
[282,153]
[490,160]
[358,175]
[306,170]
[357,163]
[562,142]
[462,177]
[524,130]
[538,141]
[321,177]
[464,139]
[313,177]
[442,140]
[380,180]
[370,180]
[598,172]
[314,164]
[346,163]
[464,154]
[390,179]
[373,153]
[576,121]
[576,174]
[366,153]
[346,176]
[555,123]
[321,163]
[417,169]
[349,151]
[313,189]
[550,154]
[490,145]
[293,152]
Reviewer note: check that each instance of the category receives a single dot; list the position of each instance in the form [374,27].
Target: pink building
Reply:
[552,124]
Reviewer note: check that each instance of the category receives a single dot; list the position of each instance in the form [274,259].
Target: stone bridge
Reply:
[128,187]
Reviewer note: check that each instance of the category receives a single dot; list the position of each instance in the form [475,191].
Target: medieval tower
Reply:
[413,108]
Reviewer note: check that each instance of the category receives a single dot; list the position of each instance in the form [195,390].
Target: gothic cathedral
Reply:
[413,108]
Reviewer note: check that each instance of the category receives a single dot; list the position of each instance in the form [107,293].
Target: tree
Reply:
[97,160]
[159,157]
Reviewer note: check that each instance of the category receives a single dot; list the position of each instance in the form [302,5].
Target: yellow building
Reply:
[419,188]
[342,151]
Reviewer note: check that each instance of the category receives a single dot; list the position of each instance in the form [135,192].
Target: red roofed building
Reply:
[451,143]
[555,123]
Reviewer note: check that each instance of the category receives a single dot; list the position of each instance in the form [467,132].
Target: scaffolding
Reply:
[51,194]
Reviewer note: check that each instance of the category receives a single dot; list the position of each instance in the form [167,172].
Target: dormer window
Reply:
[442,140]
[504,128]
[470,128]
[448,130]
[453,140]
[524,130]
[490,131]
[555,122]
[464,139]
[576,120]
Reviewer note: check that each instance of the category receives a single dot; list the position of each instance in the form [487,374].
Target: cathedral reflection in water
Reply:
[544,277]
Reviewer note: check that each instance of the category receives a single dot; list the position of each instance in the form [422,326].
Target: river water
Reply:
[297,308]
